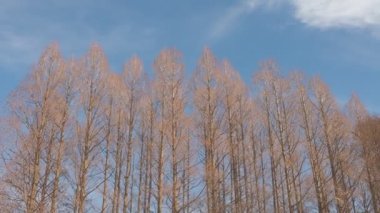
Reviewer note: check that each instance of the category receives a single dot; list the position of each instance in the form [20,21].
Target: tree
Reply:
[64,100]
[90,123]
[208,115]
[169,94]
[332,134]
[33,109]
[132,77]
[80,138]
[309,125]
[367,133]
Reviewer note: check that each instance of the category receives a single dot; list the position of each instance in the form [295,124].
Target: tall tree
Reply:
[80,138]
[333,130]
[207,114]
[132,77]
[169,90]
[33,109]
[90,123]
[66,91]
[367,133]
[309,125]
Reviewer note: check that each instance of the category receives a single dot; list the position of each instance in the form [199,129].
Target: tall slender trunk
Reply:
[313,156]
[263,188]
[254,155]
[118,166]
[131,188]
[31,202]
[160,170]
[280,125]
[372,190]
[47,173]
[141,173]
[174,131]
[233,163]
[105,171]
[149,161]
[58,166]
[187,177]
[128,171]
[333,164]
[272,158]
[129,150]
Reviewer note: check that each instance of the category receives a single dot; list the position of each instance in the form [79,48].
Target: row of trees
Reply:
[84,139]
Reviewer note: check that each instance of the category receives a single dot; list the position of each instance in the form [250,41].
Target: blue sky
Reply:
[339,40]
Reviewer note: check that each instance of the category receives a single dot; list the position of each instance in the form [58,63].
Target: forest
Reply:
[78,137]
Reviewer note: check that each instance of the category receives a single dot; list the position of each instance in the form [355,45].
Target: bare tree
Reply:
[120,100]
[263,77]
[81,138]
[90,123]
[333,131]
[132,76]
[148,124]
[309,125]
[207,112]
[367,133]
[65,101]
[33,109]
[169,93]
[233,98]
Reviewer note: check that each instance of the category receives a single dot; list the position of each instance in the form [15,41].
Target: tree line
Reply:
[81,138]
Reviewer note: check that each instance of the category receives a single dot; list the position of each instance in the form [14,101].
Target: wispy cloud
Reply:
[23,37]
[226,22]
[231,17]
[16,48]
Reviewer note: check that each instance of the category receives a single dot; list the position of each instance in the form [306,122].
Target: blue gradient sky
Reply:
[319,39]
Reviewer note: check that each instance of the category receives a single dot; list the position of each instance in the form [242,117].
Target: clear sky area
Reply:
[338,40]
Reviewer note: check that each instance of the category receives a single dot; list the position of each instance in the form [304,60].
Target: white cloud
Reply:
[338,13]
[315,13]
